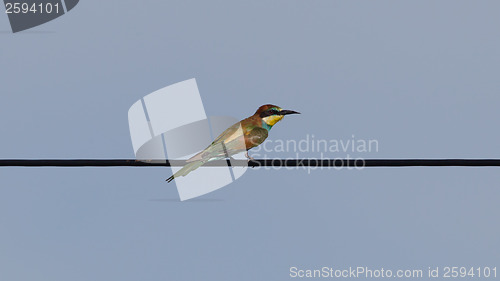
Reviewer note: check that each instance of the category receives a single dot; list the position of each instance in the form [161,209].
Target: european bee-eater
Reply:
[242,136]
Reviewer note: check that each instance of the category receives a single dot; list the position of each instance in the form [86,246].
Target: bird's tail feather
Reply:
[189,167]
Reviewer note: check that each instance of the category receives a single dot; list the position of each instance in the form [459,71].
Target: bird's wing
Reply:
[233,140]
[230,136]
[237,138]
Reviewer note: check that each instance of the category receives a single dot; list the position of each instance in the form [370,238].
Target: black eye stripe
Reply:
[268,113]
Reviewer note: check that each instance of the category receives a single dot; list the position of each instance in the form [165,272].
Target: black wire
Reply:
[254,163]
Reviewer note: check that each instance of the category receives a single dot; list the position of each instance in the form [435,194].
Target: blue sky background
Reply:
[421,77]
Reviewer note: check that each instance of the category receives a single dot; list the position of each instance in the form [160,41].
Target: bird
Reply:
[241,136]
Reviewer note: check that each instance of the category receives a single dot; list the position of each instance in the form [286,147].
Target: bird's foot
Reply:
[250,158]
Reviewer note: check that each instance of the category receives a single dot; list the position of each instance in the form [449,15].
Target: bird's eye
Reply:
[273,111]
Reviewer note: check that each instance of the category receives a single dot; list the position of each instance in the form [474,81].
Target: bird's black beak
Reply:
[286,112]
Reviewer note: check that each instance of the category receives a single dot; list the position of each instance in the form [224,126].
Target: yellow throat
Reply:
[273,119]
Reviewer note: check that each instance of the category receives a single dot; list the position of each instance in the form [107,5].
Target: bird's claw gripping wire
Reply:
[250,158]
